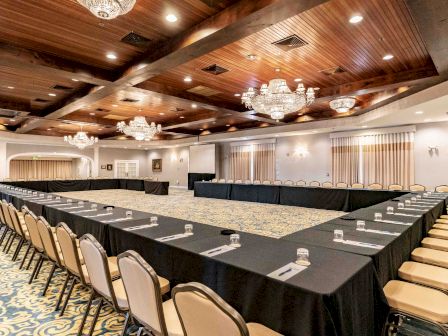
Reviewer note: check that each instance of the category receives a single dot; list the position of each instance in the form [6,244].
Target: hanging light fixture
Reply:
[80,140]
[108,9]
[276,98]
[343,104]
[139,129]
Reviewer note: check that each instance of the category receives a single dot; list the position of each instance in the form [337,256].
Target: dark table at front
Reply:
[193,177]
[156,187]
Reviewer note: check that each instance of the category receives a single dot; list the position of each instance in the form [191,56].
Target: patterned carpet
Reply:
[25,312]
[265,219]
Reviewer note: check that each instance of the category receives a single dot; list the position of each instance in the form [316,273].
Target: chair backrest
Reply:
[143,291]
[395,187]
[417,187]
[314,184]
[222,181]
[95,259]
[301,183]
[247,181]
[341,185]
[203,313]
[7,215]
[357,186]
[375,186]
[267,182]
[288,182]
[277,182]
[327,184]
[14,213]
[257,182]
[2,216]
[214,180]
[46,234]
[69,250]
[238,181]
[33,231]
[230,181]
[442,188]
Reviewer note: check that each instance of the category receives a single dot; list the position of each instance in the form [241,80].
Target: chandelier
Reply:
[139,129]
[108,9]
[80,140]
[342,104]
[276,99]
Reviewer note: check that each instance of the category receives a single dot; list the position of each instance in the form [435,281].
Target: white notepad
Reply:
[362,244]
[173,237]
[286,272]
[218,250]
[140,227]
[392,222]
[380,232]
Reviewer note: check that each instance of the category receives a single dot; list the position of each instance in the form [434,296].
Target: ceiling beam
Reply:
[230,25]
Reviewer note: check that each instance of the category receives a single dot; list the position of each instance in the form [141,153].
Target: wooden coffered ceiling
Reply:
[55,76]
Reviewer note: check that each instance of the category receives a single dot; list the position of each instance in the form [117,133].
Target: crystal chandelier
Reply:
[276,99]
[139,129]
[342,104]
[108,9]
[80,140]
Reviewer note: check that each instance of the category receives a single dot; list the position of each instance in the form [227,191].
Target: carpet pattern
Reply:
[271,220]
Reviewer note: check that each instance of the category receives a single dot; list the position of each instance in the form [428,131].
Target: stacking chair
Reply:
[257,182]
[277,182]
[395,187]
[230,181]
[247,182]
[203,312]
[357,186]
[314,184]
[144,294]
[222,181]
[424,274]
[301,183]
[417,187]
[238,181]
[36,242]
[20,229]
[442,188]
[436,233]
[267,182]
[430,256]
[10,227]
[6,228]
[341,185]
[375,186]
[214,180]
[288,182]
[327,185]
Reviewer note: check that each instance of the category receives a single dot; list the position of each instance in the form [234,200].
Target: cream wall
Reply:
[174,165]
[109,155]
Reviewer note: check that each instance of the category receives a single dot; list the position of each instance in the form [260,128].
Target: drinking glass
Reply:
[390,210]
[81,203]
[419,197]
[303,257]
[413,199]
[360,225]
[69,201]
[110,210]
[425,194]
[400,205]
[94,206]
[235,240]
[49,197]
[407,202]
[129,214]
[378,216]
[338,236]
[154,220]
[188,229]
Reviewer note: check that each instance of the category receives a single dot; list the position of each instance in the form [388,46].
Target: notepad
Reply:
[405,214]
[81,211]
[218,250]
[117,220]
[362,244]
[99,215]
[380,232]
[173,237]
[70,208]
[286,272]
[140,227]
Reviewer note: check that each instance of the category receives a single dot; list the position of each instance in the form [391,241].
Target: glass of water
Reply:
[235,240]
[188,229]
[129,214]
[400,205]
[303,257]
[407,202]
[49,197]
[413,199]
[110,210]
[338,236]
[390,210]
[154,220]
[94,206]
[360,225]
[378,216]
[81,203]
[419,197]
[69,201]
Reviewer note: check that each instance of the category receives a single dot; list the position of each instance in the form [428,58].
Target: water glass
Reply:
[69,201]
[338,236]
[110,210]
[42,195]
[188,229]
[419,197]
[129,214]
[390,210]
[413,199]
[425,194]
[57,198]
[154,220]
[400,205]
[303,257]
[378,216]
[49,197]
[94,206]
[360,225]
[429,193]
[407,202]
[81,203]
[235,240]
[35,193]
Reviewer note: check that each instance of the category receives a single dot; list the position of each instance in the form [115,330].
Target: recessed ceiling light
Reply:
[237,94]
[188,79]
[388,57]
[75,80]
[251,57]
[52,94]
[419,112]
[171,18]
[228,125]
[10,87]
[111,56]
[182,117]
[48,129]
[100,129]
[201,129]
[161,113]
[298,80]
[277,69]
[12,120]
[276,135]
[356,19]
[194,105]
[92,113]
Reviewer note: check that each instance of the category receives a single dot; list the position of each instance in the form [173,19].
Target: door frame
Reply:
[137,170]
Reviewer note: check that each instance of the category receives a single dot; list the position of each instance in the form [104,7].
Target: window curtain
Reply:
[40,169]
[388,159]
[345,160]
[264,161]
[240,162]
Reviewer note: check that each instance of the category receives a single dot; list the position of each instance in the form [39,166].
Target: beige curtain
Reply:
[40,169]
[264,162]
[240,162]
[345,160]
[388,159]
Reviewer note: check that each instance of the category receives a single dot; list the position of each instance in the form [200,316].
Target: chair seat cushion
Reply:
[435,243]
[172,322]
[430,256]
[256,329]
[424,274]
[113,268]
[440,226]
[442,221]
[444,216]
[436,233]
[424,302]
[120,293]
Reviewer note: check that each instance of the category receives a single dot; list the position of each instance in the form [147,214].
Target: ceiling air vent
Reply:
[62,87]
[290,42]
[214,69]
[136,40]
[40,100]
[130,100]
[333,71]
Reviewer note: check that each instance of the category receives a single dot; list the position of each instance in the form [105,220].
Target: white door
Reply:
[126,168]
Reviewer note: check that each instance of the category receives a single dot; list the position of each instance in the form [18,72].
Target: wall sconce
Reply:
[433,150]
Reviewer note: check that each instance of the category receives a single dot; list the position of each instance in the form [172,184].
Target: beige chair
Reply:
[424,274]
[435,243]
[417,187]
[247,182]
[442,188]
[9,226]
[144,295]
[327,185]
[417,302]
[267,182]
[36,242]
[21,231]
[436,233]
[288,183]
[395,187]
[239,181]
[430,256]
[357,186]
[277,182]
[214,180]
[230,181]
[257,182]
[314,184]
[211,315]
[4,226]
[341,185]
[375,186]
[301,183]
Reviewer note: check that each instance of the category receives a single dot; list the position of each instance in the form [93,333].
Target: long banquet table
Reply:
[340,293]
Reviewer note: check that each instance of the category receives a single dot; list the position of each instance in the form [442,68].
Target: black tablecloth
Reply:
[193,177]
[217,190]
[255,193]
[312,197]
[102,184]
[68,185]
[156,187]
[133,184]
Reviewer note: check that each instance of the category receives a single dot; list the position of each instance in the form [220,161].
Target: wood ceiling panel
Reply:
[66,29]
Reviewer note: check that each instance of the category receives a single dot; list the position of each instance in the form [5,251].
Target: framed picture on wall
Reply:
[156,165]
[103,166]
[110,167]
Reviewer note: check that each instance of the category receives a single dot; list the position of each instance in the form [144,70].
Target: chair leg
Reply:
[35,269]
[140,331]
[25,256]
[11,233]
[18,248]
[95,318]
[39,268]
[61,294]
[67,298]
[31,259]
[14,235]
[50,276]
[86,314]
[126,324]
[5,231]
